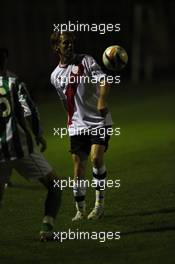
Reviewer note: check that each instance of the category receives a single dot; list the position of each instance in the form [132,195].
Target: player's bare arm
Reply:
[103,92]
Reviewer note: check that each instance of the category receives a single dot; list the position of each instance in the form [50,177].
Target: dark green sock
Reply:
[53,199]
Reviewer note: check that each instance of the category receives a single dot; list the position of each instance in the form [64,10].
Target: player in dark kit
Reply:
[19,119]
[82,87]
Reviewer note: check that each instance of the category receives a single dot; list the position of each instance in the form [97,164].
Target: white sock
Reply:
[100,193]
[81,206]
[79,192]
[48,219]
[99,201]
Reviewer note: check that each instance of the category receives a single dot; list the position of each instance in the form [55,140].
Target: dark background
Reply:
[147,33]
[142,157]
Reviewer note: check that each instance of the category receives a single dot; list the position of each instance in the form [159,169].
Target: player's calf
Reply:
[99,176]
[79,189]
[51,208]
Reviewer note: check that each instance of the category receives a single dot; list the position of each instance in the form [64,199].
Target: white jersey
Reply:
[78,85]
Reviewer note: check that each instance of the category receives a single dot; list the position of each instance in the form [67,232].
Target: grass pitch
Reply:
[142,209]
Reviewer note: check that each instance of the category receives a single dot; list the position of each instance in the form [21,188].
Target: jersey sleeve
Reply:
[94,70]
[60,94]
[29,109]
[57,85]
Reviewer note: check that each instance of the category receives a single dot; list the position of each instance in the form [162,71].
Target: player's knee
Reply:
[52,175]
[50,180]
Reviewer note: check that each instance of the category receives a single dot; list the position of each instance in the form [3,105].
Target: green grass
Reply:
[142,209]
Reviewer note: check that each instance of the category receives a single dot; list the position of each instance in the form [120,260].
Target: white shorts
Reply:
[33,166]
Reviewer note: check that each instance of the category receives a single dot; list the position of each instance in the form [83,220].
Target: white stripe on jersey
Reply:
[9,134]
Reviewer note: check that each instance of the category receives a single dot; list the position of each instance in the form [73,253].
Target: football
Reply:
[115,58]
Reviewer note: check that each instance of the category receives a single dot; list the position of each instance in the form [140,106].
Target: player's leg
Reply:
[99,175]
[51,205]
[79,189]
[80,149]
[35,166]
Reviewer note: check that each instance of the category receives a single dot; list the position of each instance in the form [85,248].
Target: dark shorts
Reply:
[81,144]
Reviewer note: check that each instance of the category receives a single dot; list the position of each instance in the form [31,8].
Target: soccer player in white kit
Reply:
[81,85]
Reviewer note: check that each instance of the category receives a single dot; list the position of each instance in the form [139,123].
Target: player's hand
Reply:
[41,141]
[101,107]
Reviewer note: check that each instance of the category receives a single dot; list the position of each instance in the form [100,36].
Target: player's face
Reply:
[66,46]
